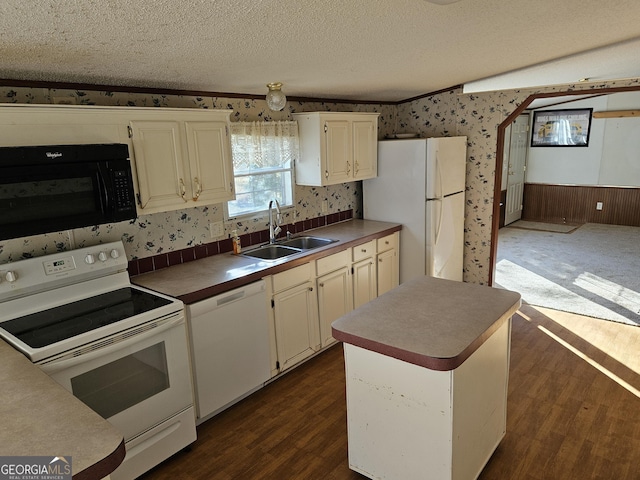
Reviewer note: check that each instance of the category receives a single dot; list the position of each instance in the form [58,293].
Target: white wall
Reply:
[620,163]
[570,165]
[612,157]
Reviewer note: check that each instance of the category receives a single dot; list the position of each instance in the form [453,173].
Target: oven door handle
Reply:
[163,325]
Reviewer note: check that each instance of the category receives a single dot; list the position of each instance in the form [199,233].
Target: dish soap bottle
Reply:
[235,239]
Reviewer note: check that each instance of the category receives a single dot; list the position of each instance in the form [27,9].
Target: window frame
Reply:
[256,214]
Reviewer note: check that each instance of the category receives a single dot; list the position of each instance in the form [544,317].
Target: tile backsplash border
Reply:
[176,257]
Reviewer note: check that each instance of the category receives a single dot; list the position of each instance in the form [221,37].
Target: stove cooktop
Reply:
[66,321]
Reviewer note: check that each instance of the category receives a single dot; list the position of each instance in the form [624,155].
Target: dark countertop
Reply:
[430,322]
[203,278]
[39,417]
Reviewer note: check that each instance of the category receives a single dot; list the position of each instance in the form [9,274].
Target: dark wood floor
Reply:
[573,413]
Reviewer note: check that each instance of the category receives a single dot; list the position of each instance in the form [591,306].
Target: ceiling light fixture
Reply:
[276,100]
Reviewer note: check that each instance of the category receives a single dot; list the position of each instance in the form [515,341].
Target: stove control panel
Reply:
[60,269]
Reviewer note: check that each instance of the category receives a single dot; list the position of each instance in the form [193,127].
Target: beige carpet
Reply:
[594,271]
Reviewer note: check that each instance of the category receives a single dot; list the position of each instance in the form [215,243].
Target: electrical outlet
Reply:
[216,229]
[325,206]
[599,206]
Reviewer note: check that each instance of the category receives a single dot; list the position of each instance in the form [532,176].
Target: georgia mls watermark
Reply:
[35,468]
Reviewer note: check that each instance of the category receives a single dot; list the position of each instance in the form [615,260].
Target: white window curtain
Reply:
[263,158]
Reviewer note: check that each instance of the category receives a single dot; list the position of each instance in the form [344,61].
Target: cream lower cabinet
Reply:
[295,314]
[335,296]
[302,315]
[388,262]
[364,273]
[181,159]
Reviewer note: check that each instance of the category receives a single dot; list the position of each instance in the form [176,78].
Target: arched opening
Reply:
[495,221]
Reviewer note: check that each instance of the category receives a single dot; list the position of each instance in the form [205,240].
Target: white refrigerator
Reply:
[421,184]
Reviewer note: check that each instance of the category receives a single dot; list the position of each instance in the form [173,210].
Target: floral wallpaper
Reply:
[149,235]
[450,113]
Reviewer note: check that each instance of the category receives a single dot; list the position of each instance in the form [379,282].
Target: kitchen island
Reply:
[427,367]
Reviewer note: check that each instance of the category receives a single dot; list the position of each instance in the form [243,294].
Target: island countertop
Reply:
[39,417]
[430,322]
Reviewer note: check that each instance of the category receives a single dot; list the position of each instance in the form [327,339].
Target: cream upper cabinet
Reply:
[182,159]
[159,164]
[336,147]
[210,161]
[25,124]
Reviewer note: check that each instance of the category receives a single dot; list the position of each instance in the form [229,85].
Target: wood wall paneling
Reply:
[577,204]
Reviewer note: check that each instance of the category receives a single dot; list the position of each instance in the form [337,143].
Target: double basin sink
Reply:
[284,248]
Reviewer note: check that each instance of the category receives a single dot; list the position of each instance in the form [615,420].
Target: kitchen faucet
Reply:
[274,229]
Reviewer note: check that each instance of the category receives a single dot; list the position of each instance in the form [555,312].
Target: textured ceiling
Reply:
[384,50]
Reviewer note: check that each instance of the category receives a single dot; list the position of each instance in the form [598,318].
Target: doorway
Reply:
[515,166]
[498,199]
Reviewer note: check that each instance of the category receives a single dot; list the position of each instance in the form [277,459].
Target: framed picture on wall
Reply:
[561,128]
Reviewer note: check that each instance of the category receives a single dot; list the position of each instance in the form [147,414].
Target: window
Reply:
[263,159]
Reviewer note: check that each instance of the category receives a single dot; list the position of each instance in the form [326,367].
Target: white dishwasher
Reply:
[230,347]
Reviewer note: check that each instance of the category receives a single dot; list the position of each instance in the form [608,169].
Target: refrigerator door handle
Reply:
[439,225]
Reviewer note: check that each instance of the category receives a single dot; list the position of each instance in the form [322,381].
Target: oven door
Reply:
[134,383]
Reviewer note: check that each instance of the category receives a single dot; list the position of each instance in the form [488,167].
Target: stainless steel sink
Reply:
[306,242]
[271,252]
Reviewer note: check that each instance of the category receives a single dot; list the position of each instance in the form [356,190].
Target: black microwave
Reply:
[47,189]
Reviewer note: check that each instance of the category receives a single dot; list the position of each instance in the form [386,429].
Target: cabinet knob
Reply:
[348,168]
[311,289]
[326,174]
[364,250]
[356,168]
[321,285]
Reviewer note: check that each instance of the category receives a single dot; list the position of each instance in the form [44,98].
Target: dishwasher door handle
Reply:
[237,295]
[225,299]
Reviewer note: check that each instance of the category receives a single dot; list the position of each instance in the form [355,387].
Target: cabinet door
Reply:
[334,301]
[210,161]
[296,318]
[162,179]
[364,282]
[365,149]
[387,271]
[338,151]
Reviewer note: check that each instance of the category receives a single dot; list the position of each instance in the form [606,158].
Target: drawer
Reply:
[363,251]
[387,243]
[291,278]
[333,262]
